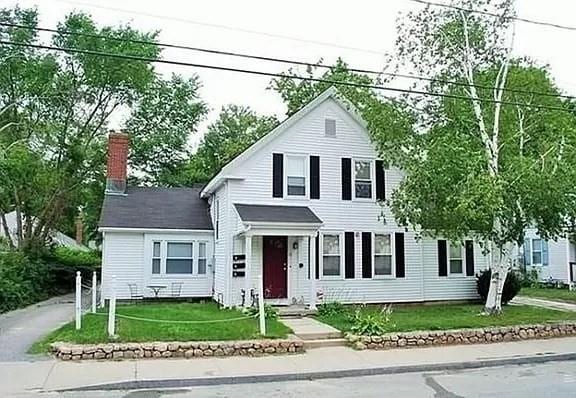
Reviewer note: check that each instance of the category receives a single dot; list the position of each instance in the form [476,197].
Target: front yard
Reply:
[94,326]
[445,317]
[550,294]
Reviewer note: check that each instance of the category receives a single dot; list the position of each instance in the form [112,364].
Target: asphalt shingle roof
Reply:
[280,214]
[158,208]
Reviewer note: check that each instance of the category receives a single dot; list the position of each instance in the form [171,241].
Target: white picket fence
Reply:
[87,297]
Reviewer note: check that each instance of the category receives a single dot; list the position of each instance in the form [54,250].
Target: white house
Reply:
[299,210]
[554,260]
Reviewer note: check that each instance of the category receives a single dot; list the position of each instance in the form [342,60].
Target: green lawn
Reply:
[454,316]
[550,294]
[94,326]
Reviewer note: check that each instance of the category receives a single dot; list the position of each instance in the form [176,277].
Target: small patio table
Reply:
[156,289]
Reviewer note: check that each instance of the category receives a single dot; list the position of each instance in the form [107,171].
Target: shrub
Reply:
[65,261]
[23,281]
[530,277]
[333,308]
[270,312]
[512,285]
[370,323]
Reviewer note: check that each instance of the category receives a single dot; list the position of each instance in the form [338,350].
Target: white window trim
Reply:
[217,231]
[463,251]
[321,255]
[392,253]
[541,251]
[164,255]
[306,159]
[372,179]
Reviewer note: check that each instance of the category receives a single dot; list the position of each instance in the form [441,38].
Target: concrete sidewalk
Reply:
[318,363]
[537,302]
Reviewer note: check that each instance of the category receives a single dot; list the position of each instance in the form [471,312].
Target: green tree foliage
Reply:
[165,116]
[483,168]
[236,129]
[54,111]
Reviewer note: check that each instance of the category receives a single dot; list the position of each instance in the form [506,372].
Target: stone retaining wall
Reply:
[464,336]
[119,351]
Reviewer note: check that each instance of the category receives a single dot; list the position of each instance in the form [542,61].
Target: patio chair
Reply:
[176,289]
[134,295]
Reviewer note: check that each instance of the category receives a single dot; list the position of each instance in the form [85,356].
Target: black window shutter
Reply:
[442,258]
[469,258]
[380,181]
[349,255]
[399,249]
[314,177]
[317,259]
[346,179]
[277,175]
[366,255]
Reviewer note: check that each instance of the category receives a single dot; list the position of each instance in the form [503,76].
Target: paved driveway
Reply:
[20,328]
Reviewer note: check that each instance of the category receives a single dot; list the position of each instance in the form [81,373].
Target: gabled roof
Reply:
[276,214]
[156,208]
[332,92]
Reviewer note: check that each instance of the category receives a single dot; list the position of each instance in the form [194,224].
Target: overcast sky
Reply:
[359,31]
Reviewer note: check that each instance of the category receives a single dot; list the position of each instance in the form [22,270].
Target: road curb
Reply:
[331,374]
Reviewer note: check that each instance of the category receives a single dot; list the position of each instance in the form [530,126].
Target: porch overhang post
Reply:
[248,269]
[313,276]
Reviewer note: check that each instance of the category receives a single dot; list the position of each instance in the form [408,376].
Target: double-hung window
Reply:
[363,179]
[331,257]
[537,251]
[201,258]
[456,259]
[156,257]
[382,255]
[296,175]
[179,259]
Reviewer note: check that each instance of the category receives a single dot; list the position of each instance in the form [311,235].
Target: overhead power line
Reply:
[225,27]
[279,60]
[492,14]
[272,74]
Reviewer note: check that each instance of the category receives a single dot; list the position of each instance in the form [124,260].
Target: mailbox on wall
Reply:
[238,265]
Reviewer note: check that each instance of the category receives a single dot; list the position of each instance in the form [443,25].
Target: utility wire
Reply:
[278,60]
[225,27]
[271,74]
[491,14]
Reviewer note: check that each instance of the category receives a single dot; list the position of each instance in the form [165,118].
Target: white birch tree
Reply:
[497,153]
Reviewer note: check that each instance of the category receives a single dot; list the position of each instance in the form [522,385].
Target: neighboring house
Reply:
[57,237]
[299,210]
[554,260]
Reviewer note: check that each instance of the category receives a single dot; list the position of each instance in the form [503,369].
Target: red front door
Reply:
[274,258]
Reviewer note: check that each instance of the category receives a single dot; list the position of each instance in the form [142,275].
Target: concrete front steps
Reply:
[315,334]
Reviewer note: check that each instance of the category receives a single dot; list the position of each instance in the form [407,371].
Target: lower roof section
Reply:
[276,214]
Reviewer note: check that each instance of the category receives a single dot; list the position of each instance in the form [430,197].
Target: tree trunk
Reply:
[499,267]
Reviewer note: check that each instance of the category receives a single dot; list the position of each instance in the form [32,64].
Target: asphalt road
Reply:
[21,328]
[553,379]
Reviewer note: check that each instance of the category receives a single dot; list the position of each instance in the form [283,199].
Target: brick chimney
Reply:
[118,143]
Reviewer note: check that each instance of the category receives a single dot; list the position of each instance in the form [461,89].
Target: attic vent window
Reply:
[330,127]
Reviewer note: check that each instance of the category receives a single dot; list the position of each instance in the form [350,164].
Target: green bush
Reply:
[64,262]
[23,281]
[269,312]
[530,277]
[370,323]
[333,308]
[512,285]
